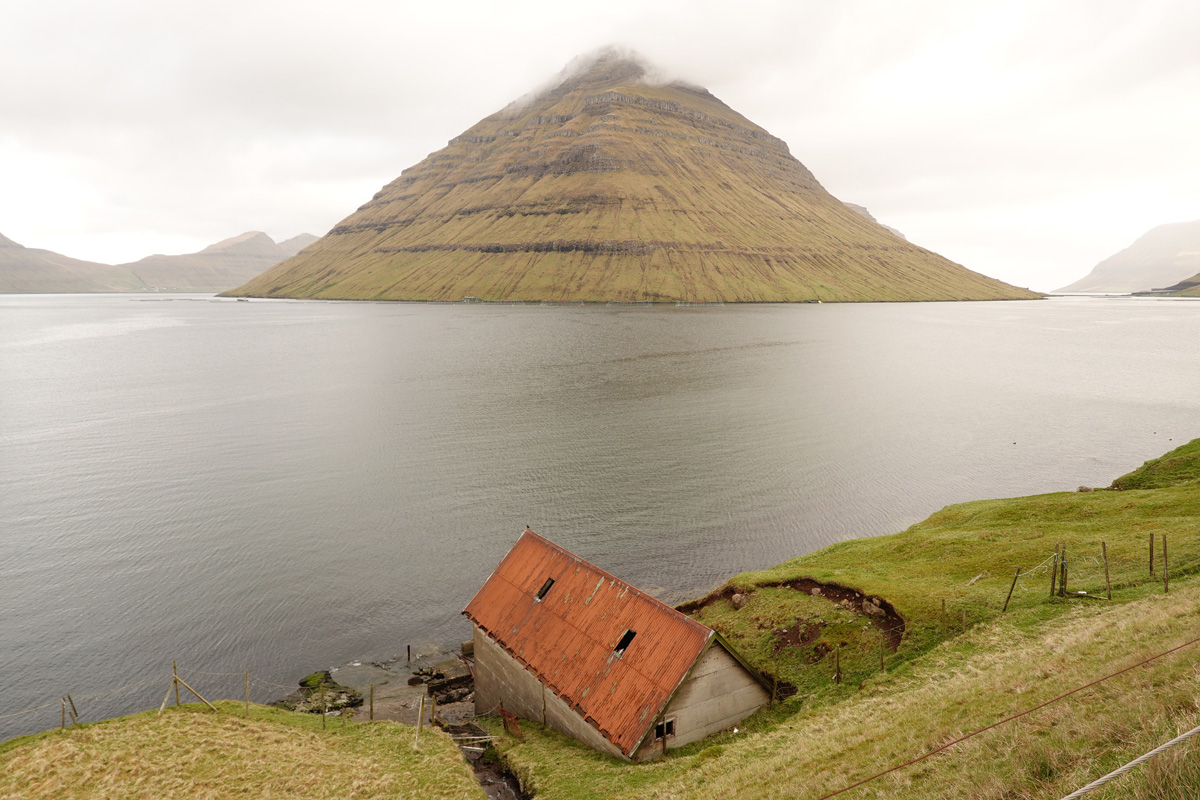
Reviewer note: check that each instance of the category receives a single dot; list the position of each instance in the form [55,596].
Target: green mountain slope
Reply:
[610,187]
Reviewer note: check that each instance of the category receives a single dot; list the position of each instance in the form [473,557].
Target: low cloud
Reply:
[1027,140]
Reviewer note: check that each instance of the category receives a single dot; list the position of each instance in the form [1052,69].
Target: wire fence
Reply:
[1019,715]
[139,695]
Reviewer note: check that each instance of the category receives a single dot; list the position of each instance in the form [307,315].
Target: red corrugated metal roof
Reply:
[568,638]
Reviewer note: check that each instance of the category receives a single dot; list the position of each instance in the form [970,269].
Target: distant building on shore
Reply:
[562,642]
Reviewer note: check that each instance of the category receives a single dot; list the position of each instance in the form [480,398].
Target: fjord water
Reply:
[285,486]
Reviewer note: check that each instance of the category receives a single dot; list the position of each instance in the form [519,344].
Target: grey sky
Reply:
[1026,140]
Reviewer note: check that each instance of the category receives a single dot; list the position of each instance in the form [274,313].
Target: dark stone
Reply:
[308,697]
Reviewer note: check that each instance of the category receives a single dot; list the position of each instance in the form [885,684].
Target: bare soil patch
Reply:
[885,618]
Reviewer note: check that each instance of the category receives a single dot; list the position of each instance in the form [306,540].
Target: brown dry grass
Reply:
[194,753]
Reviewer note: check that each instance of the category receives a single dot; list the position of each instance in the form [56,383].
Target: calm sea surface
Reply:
[284,486]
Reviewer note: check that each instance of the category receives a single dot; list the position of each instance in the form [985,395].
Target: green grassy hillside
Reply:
[1189,287]
[610,187]
[945,679]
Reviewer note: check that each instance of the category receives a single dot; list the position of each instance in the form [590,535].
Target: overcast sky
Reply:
[1025,140]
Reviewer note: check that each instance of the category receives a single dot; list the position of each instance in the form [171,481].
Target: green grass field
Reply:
[942,682]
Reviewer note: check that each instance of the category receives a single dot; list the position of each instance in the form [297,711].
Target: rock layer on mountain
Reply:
[609,186]
[1162,257]
[215,268]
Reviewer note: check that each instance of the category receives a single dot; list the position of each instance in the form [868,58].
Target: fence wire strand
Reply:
[1008,719]
[1119,771]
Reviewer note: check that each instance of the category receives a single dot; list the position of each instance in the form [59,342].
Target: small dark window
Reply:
[624,643]
[664,729]
[545,588]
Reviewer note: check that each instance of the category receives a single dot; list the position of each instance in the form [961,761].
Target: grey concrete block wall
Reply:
[500,677]
[717,695]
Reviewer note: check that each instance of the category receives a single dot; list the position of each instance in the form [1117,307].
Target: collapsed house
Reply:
[562,642]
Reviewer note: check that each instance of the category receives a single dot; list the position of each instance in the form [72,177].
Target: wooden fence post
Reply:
[175,673]
[1054,572]
[247,693]
[1166,582]
[74,711]
[63,726]
[837,664]
[1062,584]
[372,702]
[420,720]
[322,691]
[1016,575]
[1152,555]
[166,697]
[179,681]
[1107,582]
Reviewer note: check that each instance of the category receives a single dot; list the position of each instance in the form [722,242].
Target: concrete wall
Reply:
[717,695]
[499,676]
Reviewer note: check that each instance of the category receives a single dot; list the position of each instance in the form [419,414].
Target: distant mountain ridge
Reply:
[856,208]
[1160,258]
[214,269]
[608,186]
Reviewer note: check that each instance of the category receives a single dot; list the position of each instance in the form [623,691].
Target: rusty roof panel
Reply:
[568,637]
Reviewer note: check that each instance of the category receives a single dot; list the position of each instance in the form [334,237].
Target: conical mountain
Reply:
[610,186]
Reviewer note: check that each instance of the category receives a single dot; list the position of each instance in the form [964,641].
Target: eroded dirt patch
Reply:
[801,634]
[878,611]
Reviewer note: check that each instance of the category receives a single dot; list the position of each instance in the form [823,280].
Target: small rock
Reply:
[871,610]
[816,591]
[739,601]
